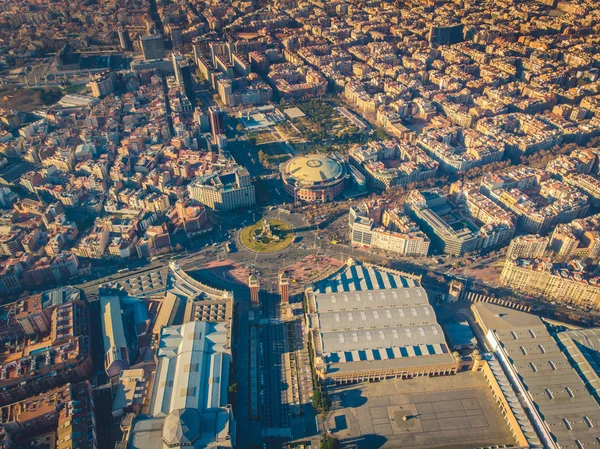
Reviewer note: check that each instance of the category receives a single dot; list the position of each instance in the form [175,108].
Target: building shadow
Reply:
[347,398]
[369,441]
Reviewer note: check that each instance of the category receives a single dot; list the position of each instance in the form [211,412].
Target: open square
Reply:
[453,412]
[294,113]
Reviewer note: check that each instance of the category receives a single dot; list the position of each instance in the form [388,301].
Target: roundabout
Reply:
[267,236]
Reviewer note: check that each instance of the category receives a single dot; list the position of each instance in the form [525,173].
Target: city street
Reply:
[309,239]
[274,416]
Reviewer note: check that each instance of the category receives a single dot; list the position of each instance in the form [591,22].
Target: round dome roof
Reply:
[314,168]
[181,426]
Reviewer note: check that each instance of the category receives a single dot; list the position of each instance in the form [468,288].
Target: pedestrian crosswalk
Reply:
[477,297]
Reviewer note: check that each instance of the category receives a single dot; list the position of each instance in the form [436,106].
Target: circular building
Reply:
[313,177]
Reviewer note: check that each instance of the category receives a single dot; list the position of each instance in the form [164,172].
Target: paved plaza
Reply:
[454,412]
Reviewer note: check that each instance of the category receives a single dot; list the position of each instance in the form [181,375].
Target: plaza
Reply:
[450,412]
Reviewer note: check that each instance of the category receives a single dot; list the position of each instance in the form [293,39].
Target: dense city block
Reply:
[296,223]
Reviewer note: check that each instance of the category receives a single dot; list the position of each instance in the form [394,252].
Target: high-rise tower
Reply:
[217,123]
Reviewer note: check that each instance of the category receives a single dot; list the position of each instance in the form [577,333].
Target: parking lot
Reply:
[454,412]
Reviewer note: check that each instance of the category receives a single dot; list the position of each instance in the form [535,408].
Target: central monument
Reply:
[266,233]
[267,236]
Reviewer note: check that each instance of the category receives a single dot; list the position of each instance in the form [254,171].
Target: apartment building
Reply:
[94,244]
[296,81]
[224,190]
[567,283]
[33,365]
[588,184]
[527,246]
[102,84]
[10,243]
[390,163]
[52,269]
[458,149]
[63,416]
[452,229]
[538,202]
[497,225]
[570,240]
[243,91]
[401,235]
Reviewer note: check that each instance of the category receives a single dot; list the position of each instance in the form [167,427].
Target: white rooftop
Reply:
[560,396]
[192,374]
[192,369]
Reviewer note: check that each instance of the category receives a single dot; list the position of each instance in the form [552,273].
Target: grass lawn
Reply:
[80,89]
[30,99]
[26,99]
[280,228]
[262,136]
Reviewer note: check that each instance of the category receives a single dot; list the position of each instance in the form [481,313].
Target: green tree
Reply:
[316,399]
[49,96]
[320,400]
[381,134]
[263,157]
[329,442]
[233,388]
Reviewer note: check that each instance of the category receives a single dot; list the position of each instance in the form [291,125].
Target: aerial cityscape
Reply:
[269,224]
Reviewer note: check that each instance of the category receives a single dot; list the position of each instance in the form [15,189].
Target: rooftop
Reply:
[313,169]
[371,316]
[192,374]
[294,113]
[131,389]
[583,350]
[115,341]
[559,394]
[202,350]
[359,277]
